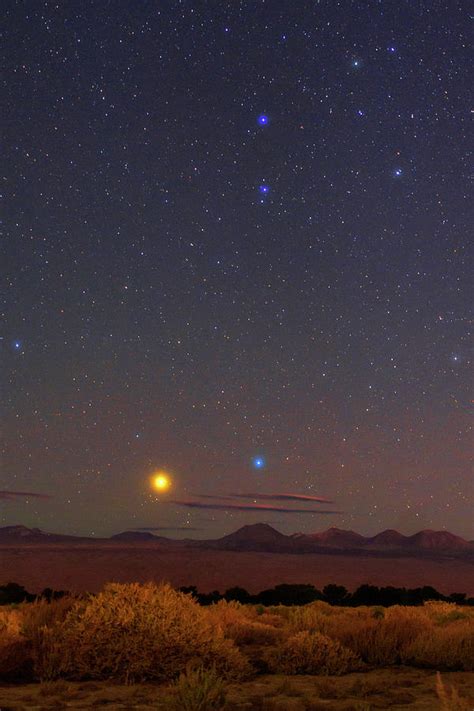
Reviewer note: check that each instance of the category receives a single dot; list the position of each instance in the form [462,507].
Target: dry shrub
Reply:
[48,654]
[137,632]
[307,618]
[312,653]
[26,639]
[311,617]
[10,622]
[449,697]
[242,624]
[42,625]
[253,633]
[438,607]
[444,647]
[198,690]
[16,662]
[41,613]
[443,613]
[378,640]
[228,612]
[15,651]
[267,618]
[439,634]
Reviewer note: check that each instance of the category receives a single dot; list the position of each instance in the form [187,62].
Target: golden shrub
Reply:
[267,618]
[378,640]
[15,651]
[311,616]
[312,653]
[10,622]
[444,613]
[229,612]
[241,623]
[41,613]
[444,647]
[198,690]
[254,633]
[438,607]
[305,618]
[42,626]
[135,632]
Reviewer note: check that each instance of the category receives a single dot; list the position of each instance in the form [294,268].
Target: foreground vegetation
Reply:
[137,634]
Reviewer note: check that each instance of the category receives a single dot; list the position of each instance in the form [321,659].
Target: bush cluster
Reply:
[312,653]
[134,633]
[129,632]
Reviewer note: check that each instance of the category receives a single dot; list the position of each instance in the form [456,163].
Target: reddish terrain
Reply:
[88,567]
[254,557]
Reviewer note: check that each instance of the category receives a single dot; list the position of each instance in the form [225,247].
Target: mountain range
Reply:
[261,537]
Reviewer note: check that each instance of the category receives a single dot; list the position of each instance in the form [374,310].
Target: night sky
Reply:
[237,250]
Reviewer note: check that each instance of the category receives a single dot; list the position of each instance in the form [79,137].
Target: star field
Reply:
[237,232]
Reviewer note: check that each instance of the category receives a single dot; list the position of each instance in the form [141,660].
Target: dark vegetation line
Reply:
[333,594]
[284,594]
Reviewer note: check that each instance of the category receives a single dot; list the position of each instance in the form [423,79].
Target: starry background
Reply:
[236,230]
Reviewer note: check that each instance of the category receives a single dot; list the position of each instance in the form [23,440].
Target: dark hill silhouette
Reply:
[133,536]
[390,537]
[19,532]
[438,540]
[337,537]
[256,537]
[22,534]
[261,537]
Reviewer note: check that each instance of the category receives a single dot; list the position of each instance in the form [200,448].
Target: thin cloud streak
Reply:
[15,495]
[284,497]
[247,507]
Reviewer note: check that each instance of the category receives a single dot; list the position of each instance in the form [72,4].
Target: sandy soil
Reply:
[395,688]
[78,568]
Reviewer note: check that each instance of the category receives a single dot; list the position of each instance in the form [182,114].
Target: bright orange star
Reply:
[161,481]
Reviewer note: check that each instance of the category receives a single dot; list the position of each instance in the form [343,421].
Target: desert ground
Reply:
[395,688]
[88,567]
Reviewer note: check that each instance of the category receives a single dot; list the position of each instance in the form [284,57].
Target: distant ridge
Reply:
[261,537]
[390,537]
[20,531]
[23,534]
[438,540]
[256,537]
[134,536]
[337,537]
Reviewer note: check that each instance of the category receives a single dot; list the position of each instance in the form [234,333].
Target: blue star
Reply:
[258,462]
[360,112]
[263,120]
[264,189]
[398,172]
[16,345]
[356,63]
[392,49]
